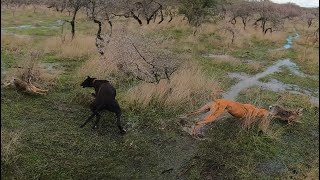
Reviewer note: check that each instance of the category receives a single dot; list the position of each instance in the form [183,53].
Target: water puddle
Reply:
[290,41]
[54,25]
[51,68]
[274,85]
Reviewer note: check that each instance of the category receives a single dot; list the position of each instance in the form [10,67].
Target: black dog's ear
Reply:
[88,77]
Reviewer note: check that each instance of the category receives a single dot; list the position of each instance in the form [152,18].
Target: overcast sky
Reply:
[303,3]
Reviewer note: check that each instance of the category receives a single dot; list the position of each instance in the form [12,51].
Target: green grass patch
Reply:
[288,78]
[255,49]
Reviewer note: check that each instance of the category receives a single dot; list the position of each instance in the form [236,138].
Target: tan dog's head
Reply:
[276,109]
[289,115]
[8,82]
[298,111]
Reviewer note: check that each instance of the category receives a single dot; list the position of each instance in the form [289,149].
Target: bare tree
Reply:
[140,10]
[99,12]
[310,15]
[269,16]
[141,58]
[198,11]
[242,10]
[72,6]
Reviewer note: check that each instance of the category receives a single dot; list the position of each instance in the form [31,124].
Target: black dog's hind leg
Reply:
[117,109]
[114,107]
[118,114]
[96,123]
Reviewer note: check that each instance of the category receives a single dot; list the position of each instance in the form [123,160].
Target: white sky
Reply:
[302,3]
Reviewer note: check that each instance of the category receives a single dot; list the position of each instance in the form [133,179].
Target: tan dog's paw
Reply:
[182,116]
[188,130]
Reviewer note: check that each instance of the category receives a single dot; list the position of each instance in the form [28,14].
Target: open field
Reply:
[41,138]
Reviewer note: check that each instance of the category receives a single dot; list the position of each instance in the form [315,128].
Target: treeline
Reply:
[263,14]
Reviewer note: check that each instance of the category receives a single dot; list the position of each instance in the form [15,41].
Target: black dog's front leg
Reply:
[89,118]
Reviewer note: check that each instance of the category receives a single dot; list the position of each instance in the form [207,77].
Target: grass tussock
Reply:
[188,86]
[78,47]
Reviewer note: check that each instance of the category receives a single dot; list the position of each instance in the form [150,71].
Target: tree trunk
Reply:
[161,15]
[136,18]
[244,21]
[268,29]
[263,25]
[73,23]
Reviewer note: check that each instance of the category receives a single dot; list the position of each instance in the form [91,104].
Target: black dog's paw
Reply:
[93,94]
[122,132]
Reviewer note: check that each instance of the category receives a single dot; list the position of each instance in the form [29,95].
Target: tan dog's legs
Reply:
[41,93]
[204,108]
[209,118]
[37,89]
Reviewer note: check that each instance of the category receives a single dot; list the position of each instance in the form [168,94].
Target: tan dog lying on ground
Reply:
[288,115]
[27,87]
[246,112]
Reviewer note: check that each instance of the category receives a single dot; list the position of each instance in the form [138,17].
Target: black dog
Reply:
[104,95]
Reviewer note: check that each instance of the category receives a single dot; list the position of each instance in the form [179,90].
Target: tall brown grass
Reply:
[186,88]
[98,67]
[308,59]
[16,42]
[242,37]
[9,145]
[31,67]
[79,47]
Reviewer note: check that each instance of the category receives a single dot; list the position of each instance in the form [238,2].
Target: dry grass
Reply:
[15,42]
[310,39]
[255,66]
[9,144]
[97,67]
[278,53]
[242,38]
[187,87]
[79,47]
[30,67]
[308,59]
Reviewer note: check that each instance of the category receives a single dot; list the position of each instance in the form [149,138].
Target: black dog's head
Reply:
[87,82]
